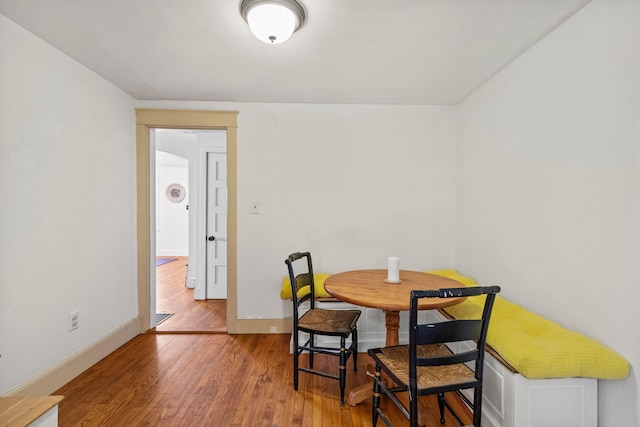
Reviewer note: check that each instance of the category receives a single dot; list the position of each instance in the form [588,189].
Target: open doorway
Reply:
[183,299]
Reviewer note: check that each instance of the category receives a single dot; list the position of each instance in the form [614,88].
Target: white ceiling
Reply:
[348,51]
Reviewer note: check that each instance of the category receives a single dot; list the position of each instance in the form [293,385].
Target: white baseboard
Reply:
[262,326]
[69,368]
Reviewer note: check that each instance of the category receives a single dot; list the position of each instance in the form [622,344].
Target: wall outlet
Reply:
[74,320]
[273,330]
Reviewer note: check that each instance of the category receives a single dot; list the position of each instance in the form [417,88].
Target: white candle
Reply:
[393,273]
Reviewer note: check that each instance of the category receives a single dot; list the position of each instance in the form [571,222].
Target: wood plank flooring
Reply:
[172,296]
[189,372]
[214,380]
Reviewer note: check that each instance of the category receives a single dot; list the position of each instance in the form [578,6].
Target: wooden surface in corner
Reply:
[18,411]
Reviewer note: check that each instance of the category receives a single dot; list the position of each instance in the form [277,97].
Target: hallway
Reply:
[189,315]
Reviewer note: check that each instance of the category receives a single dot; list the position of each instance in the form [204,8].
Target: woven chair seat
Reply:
[333,322]
[396,358]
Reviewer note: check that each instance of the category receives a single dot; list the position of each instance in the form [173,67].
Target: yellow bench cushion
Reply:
[453,274]
[318,279]
[537,347]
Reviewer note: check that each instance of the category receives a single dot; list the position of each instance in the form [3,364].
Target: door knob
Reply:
[211,238]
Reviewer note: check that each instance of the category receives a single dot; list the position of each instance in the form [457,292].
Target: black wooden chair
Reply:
[436,360]
[317,321]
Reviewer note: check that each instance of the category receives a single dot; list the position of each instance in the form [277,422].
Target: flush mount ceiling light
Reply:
[273,21]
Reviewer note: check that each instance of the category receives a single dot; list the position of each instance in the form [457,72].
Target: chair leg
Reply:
[413,405]
[376,397]
[343,368]
[312,343]
[354,338]
[441,406]
[477,406]
[295,360]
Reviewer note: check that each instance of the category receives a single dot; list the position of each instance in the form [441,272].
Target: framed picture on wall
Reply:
[175,193]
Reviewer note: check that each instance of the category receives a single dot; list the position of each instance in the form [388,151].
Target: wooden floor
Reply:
[214,380]
[189,315]
[182,374]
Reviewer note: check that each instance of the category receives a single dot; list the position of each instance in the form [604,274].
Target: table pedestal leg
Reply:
[392,323]
[361,393]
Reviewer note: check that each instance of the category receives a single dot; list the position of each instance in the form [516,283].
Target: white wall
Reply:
[67,216]
[548,185]
[353,184]
[172,219]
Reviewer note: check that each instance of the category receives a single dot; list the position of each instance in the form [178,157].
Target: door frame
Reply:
[146,119]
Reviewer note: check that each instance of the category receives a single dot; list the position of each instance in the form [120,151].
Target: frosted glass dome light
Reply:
[272,21]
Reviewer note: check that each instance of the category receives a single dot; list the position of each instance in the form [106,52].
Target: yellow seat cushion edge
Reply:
[318,278]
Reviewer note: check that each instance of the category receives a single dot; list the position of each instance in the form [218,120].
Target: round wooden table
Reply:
[367,288]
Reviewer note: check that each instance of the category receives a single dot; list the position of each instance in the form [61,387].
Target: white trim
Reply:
[153,226]
[69,368]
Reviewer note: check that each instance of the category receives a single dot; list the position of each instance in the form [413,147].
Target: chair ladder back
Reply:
[453,359]
[449,331]
[299,280]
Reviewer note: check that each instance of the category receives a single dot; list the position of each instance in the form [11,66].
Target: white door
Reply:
[216,253]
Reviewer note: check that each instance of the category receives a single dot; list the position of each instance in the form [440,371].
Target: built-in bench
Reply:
[537,373]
